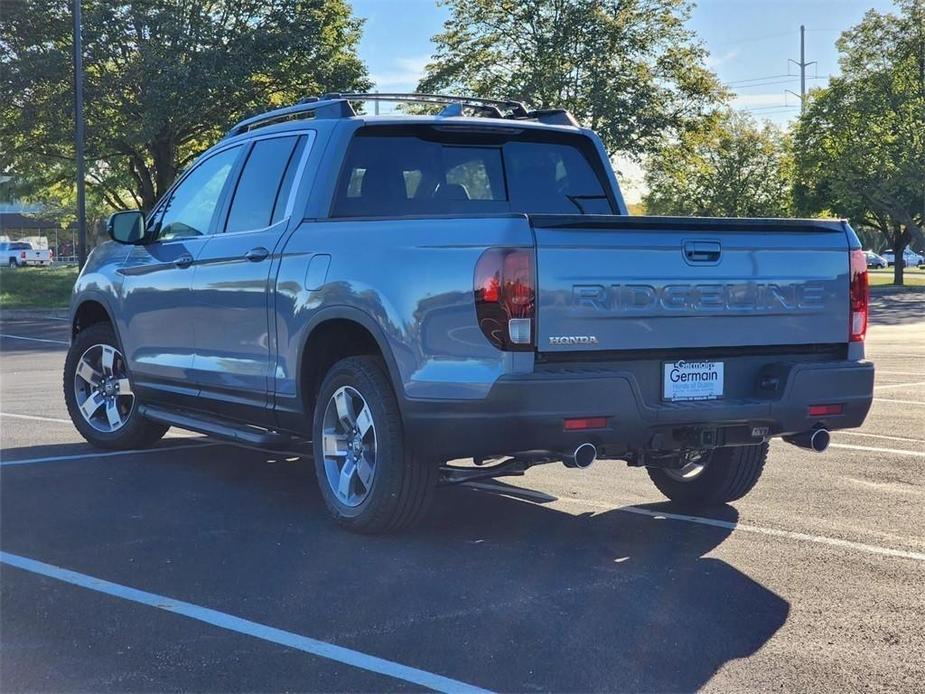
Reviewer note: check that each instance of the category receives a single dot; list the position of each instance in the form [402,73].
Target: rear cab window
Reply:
[394,171]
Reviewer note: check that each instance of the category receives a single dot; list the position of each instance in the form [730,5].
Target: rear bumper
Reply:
[526,413]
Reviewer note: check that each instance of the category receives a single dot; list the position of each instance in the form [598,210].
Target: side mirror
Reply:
[127,227]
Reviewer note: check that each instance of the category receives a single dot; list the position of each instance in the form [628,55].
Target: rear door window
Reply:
[263,188]
[391,172]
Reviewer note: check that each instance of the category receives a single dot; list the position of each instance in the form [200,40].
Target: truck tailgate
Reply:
[624,283]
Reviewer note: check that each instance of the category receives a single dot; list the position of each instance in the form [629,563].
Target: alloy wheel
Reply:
[349,446]
[687,472]
[104,393]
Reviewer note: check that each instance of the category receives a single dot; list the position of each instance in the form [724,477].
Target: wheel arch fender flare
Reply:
[365,321]
[88,297]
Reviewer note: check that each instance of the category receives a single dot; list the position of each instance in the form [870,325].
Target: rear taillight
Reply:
[505,297]
[23,255]
[860,296]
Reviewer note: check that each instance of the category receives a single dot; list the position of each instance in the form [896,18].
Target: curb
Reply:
[893,289]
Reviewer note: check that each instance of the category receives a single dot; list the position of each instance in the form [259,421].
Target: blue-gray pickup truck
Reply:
[434,299]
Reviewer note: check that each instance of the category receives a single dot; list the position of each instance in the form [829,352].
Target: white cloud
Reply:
[402,75]
[760,100]
[714,61]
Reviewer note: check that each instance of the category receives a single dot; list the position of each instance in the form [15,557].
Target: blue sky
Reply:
[747,39]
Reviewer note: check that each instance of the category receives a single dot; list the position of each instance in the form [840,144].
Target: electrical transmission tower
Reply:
[802,65]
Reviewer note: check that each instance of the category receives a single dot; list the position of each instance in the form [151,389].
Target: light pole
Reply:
[79,138]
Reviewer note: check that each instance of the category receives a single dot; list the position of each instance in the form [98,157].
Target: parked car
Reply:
[404,291]
[20,254]
[910,257]
[874,260]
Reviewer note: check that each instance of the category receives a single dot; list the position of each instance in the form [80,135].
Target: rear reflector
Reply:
[585,423]
[825,410]
[860,296]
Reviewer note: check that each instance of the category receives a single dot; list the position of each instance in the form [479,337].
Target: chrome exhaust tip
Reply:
[816,440]
[582,457]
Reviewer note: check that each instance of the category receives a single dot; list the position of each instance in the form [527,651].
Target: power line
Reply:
[756,79]
[769,108]
[764,84]
[786,81]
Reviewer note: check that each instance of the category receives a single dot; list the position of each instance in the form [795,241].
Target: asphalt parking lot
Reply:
[201,566]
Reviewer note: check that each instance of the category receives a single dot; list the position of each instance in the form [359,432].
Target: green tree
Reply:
[733,168]
[630,69]
[860,145]
[164,79]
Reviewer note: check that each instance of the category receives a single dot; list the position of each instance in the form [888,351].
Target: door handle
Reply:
[255,255]
[184,260]
[702,251]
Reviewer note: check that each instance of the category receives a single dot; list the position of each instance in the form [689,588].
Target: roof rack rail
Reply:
[491,107]
[337,105]
[320,108]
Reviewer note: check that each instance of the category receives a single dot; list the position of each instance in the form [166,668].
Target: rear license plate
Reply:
[692,380]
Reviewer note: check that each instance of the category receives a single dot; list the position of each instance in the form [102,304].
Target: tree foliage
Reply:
[733,168]
[630,69]
[861,143]
[164,79]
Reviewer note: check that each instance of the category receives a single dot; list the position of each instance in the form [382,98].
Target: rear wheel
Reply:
[13,263]
[721,476]
[99,395]
[370,481]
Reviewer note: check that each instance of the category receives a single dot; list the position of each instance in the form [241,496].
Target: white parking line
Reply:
[699,520]
[900,373]
[773,532]
[899,385]
[892,451]
[35,417]
[108,454]
[818,539]
[900,402]
[34,339]
[222,620]
[878,436]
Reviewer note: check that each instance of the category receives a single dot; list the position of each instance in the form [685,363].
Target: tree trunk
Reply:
[899,261]
[164,155]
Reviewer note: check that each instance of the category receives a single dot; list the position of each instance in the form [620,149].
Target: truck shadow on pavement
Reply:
[494,590]
[633,597]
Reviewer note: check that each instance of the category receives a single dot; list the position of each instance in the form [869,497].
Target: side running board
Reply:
[220,429]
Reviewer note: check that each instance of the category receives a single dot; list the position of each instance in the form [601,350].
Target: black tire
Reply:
[403,484]
[136,432]
[13,263]
[729,474]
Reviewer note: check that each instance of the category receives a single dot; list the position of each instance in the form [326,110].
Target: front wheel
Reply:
[720,476]
[370,481]
[99,395]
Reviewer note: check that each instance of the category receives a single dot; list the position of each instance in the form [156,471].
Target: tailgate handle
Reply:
[702,251]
